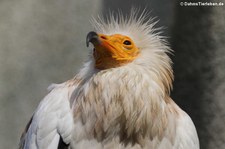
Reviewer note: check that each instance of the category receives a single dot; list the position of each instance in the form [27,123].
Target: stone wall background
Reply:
[43,42]
[198,38]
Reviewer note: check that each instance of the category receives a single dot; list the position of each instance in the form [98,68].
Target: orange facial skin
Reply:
[113,51]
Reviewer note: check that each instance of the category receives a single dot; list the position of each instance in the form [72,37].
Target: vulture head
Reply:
[131,40]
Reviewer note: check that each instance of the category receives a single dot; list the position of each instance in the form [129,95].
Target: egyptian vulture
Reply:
[120,99]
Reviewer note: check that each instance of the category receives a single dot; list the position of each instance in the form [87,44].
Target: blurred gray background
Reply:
[43,42]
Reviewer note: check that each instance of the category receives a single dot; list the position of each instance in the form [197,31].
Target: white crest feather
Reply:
[140,28]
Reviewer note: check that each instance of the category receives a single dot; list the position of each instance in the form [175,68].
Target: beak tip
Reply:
[87,43]
[91,37]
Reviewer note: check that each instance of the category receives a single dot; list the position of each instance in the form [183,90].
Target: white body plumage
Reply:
[126,107]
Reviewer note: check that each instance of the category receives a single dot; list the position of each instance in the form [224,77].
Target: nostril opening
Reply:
[103,37]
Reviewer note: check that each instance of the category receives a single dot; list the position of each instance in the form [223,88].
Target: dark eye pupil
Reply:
[127,42]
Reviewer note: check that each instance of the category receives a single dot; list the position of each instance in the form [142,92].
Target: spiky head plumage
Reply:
[153,47]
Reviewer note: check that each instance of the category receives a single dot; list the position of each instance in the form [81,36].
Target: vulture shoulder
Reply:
[52,122]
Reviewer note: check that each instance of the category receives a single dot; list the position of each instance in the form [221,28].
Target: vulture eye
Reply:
[127,42]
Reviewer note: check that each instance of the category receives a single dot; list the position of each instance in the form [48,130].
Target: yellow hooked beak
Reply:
[112,50]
